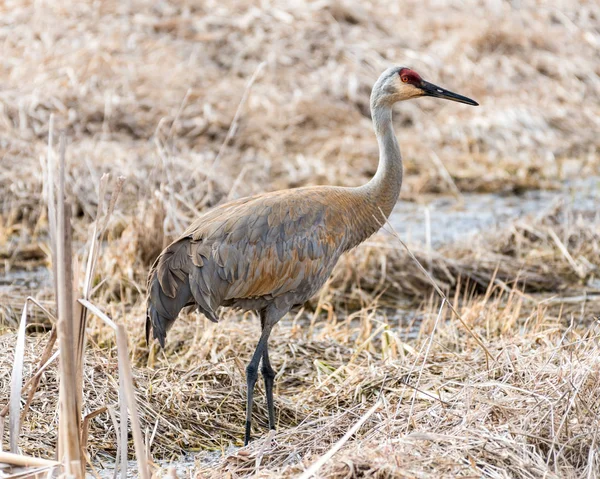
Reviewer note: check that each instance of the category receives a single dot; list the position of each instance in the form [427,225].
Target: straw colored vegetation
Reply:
[507,387]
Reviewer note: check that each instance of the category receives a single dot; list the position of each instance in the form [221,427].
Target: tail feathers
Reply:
[158,324]
[163,310]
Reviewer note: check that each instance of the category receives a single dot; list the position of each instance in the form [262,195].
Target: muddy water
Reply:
[183,467]
[34,279]
[449,219]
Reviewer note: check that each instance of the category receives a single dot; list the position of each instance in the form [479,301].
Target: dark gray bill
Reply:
[433,90]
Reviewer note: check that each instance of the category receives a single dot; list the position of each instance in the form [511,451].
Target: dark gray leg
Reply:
[251,376]
[268,320]
[269,376]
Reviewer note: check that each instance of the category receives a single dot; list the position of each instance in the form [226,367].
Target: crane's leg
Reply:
[271,316]
[269,377]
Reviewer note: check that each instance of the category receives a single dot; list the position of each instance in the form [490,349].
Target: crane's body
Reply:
[272,252]
[274,249]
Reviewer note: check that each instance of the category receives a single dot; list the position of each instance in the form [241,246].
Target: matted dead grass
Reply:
[533,412]
[149,91]
[142,88]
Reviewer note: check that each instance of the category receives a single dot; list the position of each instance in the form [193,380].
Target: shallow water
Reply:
[35,279]
[183,467]
[452,219]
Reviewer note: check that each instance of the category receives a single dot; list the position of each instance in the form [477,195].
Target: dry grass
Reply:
[533,412]
[148,90]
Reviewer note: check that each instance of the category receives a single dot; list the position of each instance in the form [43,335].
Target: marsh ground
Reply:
[148,91]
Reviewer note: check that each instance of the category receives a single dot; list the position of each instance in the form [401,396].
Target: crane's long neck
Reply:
[380,194]
[384,187]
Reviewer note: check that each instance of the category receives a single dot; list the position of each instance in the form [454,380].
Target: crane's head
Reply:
[401,83]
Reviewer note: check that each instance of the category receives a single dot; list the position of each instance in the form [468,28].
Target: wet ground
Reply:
[449,219]
[183,467]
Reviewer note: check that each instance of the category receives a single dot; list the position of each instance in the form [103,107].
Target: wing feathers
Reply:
[173,265]
[262,247]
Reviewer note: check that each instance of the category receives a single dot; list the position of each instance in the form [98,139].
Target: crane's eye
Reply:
[404,78]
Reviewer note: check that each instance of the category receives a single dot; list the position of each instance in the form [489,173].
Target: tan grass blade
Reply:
[117,427]
[44,362]
[51,198]
[125,372]
[86,423]
[69,418]
[16,384]
[565,252]
[25,461]
[124,435]
[94,309]
[31,473]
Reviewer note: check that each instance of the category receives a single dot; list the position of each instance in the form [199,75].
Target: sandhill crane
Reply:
[272,252]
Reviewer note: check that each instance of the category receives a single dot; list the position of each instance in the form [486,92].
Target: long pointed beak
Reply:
[433,90]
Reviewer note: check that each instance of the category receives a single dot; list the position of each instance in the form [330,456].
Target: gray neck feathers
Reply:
[381,193]
[384,187]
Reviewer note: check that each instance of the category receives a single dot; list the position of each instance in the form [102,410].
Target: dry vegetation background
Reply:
[148,90]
